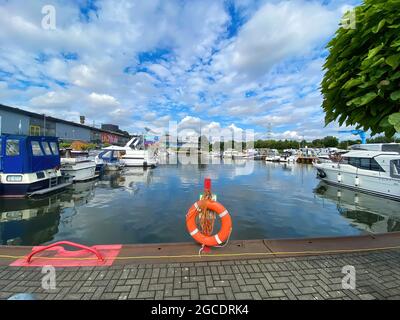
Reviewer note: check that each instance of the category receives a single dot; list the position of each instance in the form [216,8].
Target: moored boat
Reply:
[135,153]
[29,166]
[111,159]
[371,168]
[79,168]
[273,155]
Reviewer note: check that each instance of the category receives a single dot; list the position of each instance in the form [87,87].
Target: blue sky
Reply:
[235,64]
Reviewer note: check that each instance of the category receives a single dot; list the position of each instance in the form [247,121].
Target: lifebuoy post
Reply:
[201,208]
[207,185]
[207,188]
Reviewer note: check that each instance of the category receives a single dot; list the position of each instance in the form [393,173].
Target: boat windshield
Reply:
[106,154]
[395,169]
[54,148]
[46,148]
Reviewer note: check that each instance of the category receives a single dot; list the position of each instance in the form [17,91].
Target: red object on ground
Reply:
[207,184]
[55,255]
[68,243]
[206,249]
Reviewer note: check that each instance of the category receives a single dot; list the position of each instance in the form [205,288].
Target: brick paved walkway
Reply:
[312,277]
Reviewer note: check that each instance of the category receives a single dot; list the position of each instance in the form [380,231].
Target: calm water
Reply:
[266,200]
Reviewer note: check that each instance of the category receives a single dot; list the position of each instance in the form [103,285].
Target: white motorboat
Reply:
[251,154]
[80,168]
[289,155]
[135,154]
[371,168]
[233,154]
[215,154]
[111,160]
[273,155]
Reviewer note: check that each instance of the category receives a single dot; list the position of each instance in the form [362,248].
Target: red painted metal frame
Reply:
[68,243]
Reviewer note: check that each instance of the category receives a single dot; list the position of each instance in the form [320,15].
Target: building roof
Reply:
[40,116]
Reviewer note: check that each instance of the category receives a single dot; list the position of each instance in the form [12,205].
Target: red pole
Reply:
[207,184]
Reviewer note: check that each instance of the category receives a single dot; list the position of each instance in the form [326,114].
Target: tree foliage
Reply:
[361,85]
[327,142]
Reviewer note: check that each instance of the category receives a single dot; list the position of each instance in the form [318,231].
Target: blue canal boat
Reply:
[30,165]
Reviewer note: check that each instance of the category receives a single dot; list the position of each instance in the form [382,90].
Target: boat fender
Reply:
[321,173]
[339,177]
[357,181]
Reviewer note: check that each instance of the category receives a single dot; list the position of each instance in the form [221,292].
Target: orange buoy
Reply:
[226,223]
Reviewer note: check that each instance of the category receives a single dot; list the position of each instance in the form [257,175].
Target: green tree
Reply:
[330,142]
[361,83]
[317,143]
[347,143]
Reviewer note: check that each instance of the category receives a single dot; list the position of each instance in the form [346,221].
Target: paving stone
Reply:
[311,278]
[243,296]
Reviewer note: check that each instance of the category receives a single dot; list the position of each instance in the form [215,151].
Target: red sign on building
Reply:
[108,138]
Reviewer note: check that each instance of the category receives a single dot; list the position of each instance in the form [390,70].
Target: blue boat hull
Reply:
[9,190]
[100,168]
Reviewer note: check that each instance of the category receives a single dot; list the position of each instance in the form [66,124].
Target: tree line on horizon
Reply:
[326,142]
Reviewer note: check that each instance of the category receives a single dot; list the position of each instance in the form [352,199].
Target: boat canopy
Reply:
[28,154]
[108,155]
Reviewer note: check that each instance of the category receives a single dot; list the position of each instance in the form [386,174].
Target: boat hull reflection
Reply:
[367,212]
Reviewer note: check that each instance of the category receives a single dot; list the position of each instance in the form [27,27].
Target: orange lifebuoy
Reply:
[226,223]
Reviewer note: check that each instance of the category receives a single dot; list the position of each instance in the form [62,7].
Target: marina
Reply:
[96,212]
[199,150]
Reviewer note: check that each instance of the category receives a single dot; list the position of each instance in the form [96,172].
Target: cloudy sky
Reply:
[207,63]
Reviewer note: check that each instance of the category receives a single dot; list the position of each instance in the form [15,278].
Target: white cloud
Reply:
[277,31]
[103,100]
[202,74]
[52,99]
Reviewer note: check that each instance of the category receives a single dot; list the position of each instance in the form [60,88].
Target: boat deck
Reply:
[261,269]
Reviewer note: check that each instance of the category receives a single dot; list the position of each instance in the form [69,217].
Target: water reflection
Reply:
[35,221]
[364,211]
[28,221]
[266,200]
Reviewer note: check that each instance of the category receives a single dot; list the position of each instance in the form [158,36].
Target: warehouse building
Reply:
[18,121]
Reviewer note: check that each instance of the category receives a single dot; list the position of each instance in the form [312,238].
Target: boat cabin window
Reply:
[54,148]
[12,147]
[395,147]
[46,148]
[395,169]
[363,163]
[36,149]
